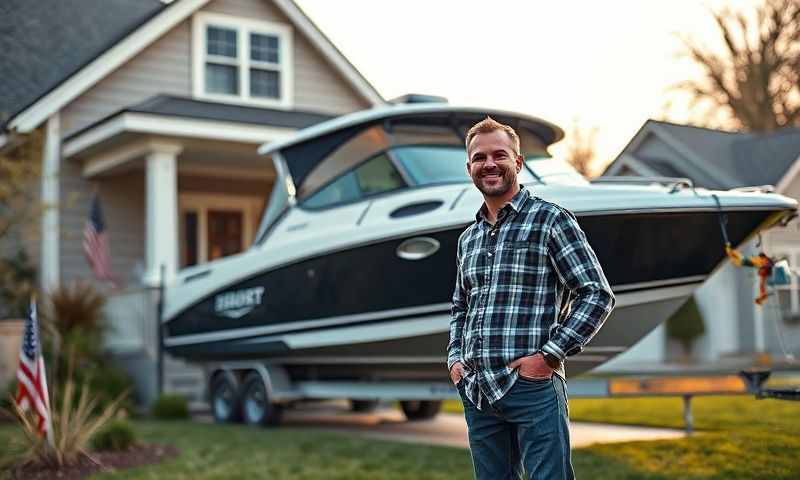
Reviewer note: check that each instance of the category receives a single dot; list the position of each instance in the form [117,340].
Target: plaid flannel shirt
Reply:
[511,281]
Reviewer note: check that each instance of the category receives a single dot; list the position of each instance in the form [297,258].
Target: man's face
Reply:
[492,163]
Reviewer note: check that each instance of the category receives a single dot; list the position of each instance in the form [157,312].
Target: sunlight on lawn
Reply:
[742,439]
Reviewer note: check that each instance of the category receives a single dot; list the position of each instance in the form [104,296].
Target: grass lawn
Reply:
[744,438]
[739,438]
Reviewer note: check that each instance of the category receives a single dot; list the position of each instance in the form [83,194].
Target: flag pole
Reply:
[45,391]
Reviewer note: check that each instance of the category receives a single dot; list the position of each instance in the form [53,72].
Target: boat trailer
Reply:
[754,382]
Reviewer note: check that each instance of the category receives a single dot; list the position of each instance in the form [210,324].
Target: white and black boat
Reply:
[351,273]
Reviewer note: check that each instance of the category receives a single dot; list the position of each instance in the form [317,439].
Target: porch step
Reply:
[183,378]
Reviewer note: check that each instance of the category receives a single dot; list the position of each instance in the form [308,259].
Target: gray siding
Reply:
[791,234]
[656,152]
[793,189]
[161,68]
[122,199]
[317,86]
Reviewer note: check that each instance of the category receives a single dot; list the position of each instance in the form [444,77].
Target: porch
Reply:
[175,192]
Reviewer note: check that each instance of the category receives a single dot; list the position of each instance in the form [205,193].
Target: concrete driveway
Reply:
[446,429]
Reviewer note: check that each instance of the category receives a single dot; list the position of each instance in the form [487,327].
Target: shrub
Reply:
[117,435]
[75,322]
[17,284]
[107,382]
[7,397]
[171,407]
[74,319]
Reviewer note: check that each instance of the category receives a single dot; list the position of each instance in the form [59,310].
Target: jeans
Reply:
[526,431]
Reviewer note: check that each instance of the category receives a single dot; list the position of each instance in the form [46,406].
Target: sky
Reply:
[603,65]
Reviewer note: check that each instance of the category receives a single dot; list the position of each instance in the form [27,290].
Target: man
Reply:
[509,335]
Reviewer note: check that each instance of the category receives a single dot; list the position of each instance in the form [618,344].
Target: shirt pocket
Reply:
[525,267]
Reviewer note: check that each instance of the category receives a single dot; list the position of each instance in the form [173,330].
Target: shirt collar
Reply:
[514,204]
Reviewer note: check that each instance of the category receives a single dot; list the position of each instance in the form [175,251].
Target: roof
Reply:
[713,146]
[765,159]
[202,110]
[739,159]
[44,42]
[91,42]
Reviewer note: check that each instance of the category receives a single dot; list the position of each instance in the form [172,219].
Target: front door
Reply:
[224,233]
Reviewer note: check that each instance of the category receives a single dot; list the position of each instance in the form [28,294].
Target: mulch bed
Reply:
[137,456]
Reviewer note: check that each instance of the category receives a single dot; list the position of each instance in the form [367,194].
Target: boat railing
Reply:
[755,189]
[675,184]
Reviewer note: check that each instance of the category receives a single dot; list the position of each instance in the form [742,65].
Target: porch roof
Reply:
[185,117]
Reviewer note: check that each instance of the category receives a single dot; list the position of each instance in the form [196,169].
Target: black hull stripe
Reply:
[274,331]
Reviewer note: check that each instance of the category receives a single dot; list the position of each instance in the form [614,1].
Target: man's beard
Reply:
[507,180]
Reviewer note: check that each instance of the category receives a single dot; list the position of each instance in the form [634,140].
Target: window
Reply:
[789,295]
[240,60]
[375,176]
[440,164]
[215,226]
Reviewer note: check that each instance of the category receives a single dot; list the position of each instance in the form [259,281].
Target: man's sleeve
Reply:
[580,272]
[458,313]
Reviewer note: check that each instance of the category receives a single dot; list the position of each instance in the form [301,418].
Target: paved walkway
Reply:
[446,429]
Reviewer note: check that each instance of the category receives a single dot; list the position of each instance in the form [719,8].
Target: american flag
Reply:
[95,243]
[32,391]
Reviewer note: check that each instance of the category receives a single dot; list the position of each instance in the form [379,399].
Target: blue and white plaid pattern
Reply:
[527,284]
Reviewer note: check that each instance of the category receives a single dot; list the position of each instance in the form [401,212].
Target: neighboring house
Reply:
[713,159]
[159,107]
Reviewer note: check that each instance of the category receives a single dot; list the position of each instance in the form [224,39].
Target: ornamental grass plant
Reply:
[75,420]
[73,320]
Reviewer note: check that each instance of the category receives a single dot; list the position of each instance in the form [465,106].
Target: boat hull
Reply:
[413,347]
[364,311]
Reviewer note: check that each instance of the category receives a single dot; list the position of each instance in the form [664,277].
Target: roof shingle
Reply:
[43,42]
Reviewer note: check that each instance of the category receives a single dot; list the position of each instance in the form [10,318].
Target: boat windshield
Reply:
[431,164]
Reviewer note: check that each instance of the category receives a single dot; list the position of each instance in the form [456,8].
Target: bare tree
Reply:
[756,79]
[581,150]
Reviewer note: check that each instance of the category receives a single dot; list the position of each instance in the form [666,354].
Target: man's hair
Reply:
[488,125]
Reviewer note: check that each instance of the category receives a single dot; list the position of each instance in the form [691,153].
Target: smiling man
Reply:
[529,293]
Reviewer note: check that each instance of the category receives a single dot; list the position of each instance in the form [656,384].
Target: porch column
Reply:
[49,274]
[161,227]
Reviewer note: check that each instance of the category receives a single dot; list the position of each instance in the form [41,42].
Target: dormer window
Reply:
[242,61]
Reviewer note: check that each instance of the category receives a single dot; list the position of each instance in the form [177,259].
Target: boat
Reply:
[351,273]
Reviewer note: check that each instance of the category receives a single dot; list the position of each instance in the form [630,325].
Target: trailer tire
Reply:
[225,404]
[257,406]
[420,409]
[363,406]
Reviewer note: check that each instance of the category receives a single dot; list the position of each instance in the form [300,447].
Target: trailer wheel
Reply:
[363,406]
[420,409]
[224,400]
[257,407]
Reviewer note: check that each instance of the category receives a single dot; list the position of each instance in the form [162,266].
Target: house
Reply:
[734,325]
[159,108]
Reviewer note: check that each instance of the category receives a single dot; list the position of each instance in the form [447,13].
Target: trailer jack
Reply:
[754,381]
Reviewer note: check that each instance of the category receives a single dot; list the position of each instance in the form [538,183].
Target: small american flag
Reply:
[95,243]
[32,393]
